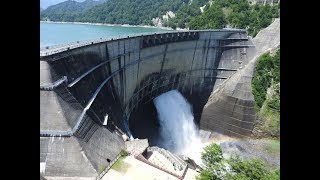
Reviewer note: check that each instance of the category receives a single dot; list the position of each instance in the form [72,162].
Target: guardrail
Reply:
[108,167]
[49,50]
[49,87]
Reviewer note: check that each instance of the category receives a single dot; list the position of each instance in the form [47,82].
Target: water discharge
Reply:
[178,132]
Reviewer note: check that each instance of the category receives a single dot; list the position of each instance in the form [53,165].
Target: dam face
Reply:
[113,81]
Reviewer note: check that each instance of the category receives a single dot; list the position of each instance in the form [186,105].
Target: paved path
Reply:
[191,174]
[137,170]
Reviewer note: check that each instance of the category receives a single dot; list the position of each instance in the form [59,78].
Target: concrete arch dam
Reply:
[93,92]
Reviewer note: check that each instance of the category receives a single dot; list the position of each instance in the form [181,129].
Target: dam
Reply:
[93,94]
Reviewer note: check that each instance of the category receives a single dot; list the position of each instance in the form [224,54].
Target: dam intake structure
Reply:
[94,93]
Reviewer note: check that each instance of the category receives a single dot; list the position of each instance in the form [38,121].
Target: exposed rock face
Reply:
[157,21]
[252,148]
[168,15]
[202,8]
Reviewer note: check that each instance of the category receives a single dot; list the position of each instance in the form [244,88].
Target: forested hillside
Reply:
[236,14]
[266,91]
[185,13]
[68,10]
[133,12]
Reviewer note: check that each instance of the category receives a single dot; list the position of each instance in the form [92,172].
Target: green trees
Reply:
[186,13]
[67,10]
[213,18]
[239,169]
[267,72]
[274,175]
[212,159]
[134,12]
[237,14]
[206,175]
[250,169]
[246,169]
[212,155]
[222,13]
[262,79]
[266,91]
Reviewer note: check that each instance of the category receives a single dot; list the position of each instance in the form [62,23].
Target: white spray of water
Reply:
[178,132]
[42,167]
[106,120]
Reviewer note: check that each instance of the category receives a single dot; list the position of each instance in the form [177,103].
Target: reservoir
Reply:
[61,33]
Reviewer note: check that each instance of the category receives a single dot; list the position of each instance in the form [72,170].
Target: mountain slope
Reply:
[130,11]
[133,12]
[236,14]
[192,14]
[63,11]
[71,6]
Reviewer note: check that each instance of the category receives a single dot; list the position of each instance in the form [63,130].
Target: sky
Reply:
[46,3]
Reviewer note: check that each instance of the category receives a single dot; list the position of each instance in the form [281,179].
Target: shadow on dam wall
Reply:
[113,81]
[143,120]
[144,123]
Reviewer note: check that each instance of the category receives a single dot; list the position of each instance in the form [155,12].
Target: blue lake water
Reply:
[56,33]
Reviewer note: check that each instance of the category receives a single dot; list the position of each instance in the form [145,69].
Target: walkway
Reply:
[137,170]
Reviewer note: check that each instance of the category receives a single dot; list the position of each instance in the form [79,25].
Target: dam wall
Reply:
[230,108]
[88,90]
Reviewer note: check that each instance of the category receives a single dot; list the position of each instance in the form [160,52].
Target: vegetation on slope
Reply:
[132,12]
[185,14]
[236,14]
[273,146]
[120,165]
[234,168]
[266,91]
[67,10]
[250,169]
[221,13]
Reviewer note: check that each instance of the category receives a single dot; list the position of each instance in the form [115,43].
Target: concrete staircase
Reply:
[177,162]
